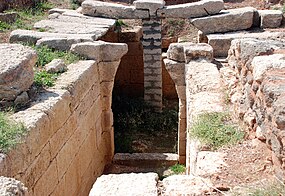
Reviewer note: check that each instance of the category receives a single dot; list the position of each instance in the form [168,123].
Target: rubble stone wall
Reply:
[70,138]
[258,93]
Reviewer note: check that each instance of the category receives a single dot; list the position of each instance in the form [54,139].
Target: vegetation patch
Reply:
[178,169]
[135,117]
[216,130]
[44,79]
[10,132]
[27,17]
[46,55]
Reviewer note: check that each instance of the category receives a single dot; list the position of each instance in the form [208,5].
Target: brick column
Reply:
[152,62]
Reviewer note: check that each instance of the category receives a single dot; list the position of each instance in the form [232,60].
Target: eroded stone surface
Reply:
[11,187]
[186,185]
[226,20]
[16,70]
[192,10]
[101,50]
[126,185]
[56,66]
[112,10]
[221,42]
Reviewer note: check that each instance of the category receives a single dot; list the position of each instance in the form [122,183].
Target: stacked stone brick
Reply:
[258,91]
[152,61]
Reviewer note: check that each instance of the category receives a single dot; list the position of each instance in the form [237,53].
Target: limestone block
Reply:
[150,5]
[16,70]
[270,18]
[186,185]
[175,51]
[45,184]
[202,76]
[131,35]
[192,10]
[198,52]
[65,27]
[242,51]
[100,50]
[56,66]
[221,42]
[209,163]
[261,64]
[176,70]
[83,19]
[126,184]
[112,10]
[181,91]
[204,102]
[10,186]
[226,20]
[33,36]
[107,72]
[279,110]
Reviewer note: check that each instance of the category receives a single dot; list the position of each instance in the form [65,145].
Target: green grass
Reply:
[44,79]
[46,55]
[216,130]
[27,17]
[10,133]
[178,168]
[136,116]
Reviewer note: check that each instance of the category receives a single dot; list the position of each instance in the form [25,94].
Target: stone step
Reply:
[221,42]
[142,184]
[226,20]
[146,159]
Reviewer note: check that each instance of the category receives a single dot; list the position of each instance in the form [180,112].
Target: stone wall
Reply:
[257,90]
[70,129]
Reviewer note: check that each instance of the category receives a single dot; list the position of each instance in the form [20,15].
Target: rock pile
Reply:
[258,91]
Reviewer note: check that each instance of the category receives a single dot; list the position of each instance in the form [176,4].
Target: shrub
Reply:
[216,130]
[10,132]
[178,168]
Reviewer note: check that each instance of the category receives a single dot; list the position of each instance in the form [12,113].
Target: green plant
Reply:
[44,79]
[4,26]
[120,23]
[10,132]
[178,168]
[74,4]
[46,55]
[274,189]
[216,130]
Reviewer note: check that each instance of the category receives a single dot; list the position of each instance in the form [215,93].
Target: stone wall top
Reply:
[143,9]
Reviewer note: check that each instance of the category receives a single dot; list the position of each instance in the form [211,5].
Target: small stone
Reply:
[8,17]
[259,134]
[22,99]
[56,66]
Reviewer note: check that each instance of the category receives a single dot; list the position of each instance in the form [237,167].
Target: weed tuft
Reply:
[216,130]
[44,79]
[10,133]
[178,169]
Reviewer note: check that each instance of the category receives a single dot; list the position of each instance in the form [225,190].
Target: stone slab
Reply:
[226,20]
[126,185]
[262,64]
[16,70]
[32,37]
[221,42]
[270,18]
[83,19]
[100,50]
[146,159]
[192,10]
[186,185]
[53,26]
[112,10]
